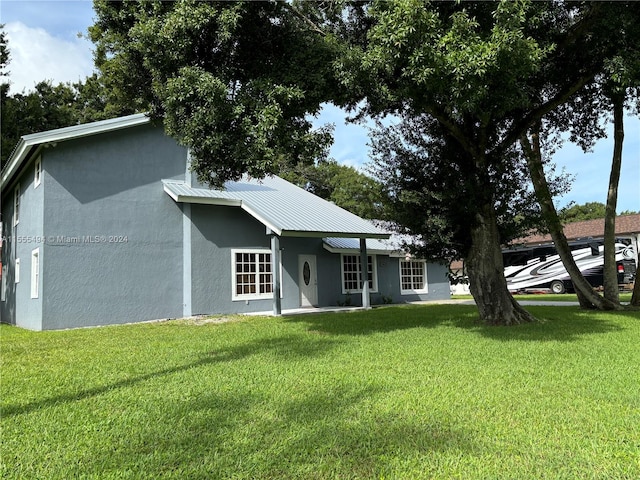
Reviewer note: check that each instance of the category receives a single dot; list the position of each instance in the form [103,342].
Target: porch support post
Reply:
[364,272]
[186,247]
[186,260]
[275,272]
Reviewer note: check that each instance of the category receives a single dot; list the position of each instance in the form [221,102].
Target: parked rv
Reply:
[540,267]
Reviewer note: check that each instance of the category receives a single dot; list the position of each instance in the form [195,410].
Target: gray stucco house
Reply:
[103,223]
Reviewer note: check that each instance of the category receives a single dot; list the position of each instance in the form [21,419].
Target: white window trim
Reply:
[250,296]
[16,205]
[3,292]
[426,281]
[37,174]
[374,276]
[35,272]
[17,271]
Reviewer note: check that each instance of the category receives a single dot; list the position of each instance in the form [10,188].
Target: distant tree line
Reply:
[49,106]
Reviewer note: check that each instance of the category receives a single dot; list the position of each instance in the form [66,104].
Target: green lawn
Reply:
[394,393]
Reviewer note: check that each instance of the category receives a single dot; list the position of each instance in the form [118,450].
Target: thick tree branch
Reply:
[313,26]
[520,128]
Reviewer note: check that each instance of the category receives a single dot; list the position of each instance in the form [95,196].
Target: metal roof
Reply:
[29,143]
[352,245]
[281,206]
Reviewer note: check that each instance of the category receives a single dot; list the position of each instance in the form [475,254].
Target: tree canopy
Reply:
[343,185]
[233,81]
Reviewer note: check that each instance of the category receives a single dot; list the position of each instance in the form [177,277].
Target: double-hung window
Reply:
[352,277]
[3,293]
[35,273]
[37,176]
[413,277]
[252,274]
[16,205]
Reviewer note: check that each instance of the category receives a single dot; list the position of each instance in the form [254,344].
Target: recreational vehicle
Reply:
[539,267]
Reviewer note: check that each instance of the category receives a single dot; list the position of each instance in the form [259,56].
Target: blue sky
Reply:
[44,43]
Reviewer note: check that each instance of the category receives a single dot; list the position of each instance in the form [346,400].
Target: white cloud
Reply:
[36,55]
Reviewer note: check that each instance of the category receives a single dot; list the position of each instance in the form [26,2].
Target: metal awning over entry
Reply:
[286,211]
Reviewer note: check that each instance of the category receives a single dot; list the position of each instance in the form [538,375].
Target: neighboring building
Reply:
[104,224]
[627,229]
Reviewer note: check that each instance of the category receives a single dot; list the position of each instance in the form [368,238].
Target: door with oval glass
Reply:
[308,280]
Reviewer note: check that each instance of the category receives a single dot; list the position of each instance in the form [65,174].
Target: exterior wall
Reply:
[388,270]
[114,238]
[20,240]
[216,231]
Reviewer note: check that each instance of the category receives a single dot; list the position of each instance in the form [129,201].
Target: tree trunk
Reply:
[485,268]
[610,269]
[635,296]
[587,297]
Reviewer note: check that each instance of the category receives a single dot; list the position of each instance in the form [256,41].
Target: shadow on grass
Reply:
[290,346]
[556,323]
[386,319]
[329,431]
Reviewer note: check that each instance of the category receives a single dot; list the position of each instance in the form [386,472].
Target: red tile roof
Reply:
[625,225]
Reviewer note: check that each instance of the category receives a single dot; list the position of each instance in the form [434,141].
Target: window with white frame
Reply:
[16,205]
[351,274]
[37,176]
[252,274]
[413,277]
[3,293]
[17,271]
[35,273]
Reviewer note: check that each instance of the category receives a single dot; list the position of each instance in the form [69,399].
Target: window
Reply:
[17,271]
[351,277]
[37,176]
[252,275]
[16,205]
[35,273]
[413,277]
[3,293]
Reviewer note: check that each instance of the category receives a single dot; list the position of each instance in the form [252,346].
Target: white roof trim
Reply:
[261,218]
[27,143]
[371,251]
[179,198]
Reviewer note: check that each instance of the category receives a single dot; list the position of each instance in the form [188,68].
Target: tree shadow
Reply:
[555,323]
[385,319]
[327,432]
[289,346]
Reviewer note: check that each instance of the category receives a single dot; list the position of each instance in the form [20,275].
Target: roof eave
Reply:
[24,147]
[229,202]
[317,234]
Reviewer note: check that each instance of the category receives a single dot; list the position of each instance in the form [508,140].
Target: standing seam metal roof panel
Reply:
[284,207]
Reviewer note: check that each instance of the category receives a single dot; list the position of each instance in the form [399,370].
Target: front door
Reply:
[308,280]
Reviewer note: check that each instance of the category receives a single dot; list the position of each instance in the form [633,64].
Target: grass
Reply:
[394,393]
[546,297]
